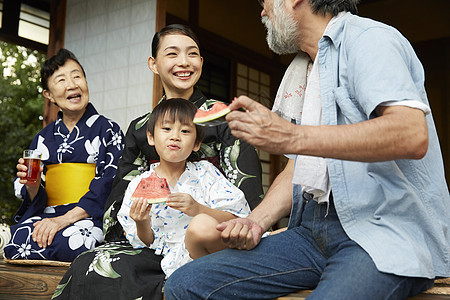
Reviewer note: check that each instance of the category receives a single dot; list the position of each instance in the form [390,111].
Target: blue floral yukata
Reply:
[94,140]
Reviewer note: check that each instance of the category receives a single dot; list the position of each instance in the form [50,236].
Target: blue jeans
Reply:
[315,255]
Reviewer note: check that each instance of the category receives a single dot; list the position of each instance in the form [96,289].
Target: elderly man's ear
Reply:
[295,3]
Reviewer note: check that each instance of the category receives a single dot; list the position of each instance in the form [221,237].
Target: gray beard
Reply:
[281,35]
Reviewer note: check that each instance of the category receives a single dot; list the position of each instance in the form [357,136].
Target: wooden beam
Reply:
[11,13]
[9,31]
[194,8]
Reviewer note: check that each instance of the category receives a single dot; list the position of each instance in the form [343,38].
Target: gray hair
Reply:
[334,7]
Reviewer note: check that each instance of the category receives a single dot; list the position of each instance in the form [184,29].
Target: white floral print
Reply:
[83,233]
[116,139]
[24,248]
[92,148]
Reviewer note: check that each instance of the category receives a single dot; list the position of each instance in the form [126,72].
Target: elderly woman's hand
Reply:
[32,188]
[45,230]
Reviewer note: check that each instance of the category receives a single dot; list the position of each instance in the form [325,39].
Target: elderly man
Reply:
[365,186]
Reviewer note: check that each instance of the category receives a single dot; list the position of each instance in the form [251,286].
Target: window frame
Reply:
[9,30]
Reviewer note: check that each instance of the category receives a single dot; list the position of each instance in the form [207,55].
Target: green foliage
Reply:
[21,111]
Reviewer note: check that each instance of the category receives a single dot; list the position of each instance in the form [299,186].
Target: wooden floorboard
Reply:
[28,281]
[440,291]
[39,282]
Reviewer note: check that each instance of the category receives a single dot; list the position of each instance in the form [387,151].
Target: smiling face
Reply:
[173,140]
[67,88]
[179,65]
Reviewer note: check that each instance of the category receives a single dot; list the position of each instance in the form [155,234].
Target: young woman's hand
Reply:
[185,203]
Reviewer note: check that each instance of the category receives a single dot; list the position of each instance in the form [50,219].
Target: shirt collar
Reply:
[334,28]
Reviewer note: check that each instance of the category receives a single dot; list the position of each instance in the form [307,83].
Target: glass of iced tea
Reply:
[33,162]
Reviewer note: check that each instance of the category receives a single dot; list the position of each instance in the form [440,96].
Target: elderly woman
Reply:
[61,215]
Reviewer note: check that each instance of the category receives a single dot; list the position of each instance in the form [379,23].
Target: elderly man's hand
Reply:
[260,127]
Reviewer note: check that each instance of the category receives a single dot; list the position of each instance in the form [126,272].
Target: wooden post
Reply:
[160,23]
[56,42]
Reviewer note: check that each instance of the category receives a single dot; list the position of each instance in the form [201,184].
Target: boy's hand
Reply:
[184,202]
[140,210]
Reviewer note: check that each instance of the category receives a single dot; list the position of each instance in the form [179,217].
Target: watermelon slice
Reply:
[219,109]
[153,189]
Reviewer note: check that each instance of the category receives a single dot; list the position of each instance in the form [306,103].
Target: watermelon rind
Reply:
[210,117]
[151,200]
[157,200]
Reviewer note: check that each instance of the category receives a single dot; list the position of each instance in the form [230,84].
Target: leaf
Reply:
[131,175]
[208,104]
[60,288]
[138,161]
[103,267]
[235,150]
[142,122]
[232,171]
[108,221]
[127,252]
[207,151]
[102,261]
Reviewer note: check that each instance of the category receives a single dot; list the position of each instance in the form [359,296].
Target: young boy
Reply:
[184,227]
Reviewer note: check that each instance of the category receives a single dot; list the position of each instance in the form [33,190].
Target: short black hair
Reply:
[172,29]
[177,109]
[53,63]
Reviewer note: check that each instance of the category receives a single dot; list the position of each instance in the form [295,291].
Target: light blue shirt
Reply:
[398,211]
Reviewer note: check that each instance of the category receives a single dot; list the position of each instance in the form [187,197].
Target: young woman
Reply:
[176,59]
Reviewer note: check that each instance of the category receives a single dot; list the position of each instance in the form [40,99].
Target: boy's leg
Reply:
[351,274]
[280,264]
[202,237]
